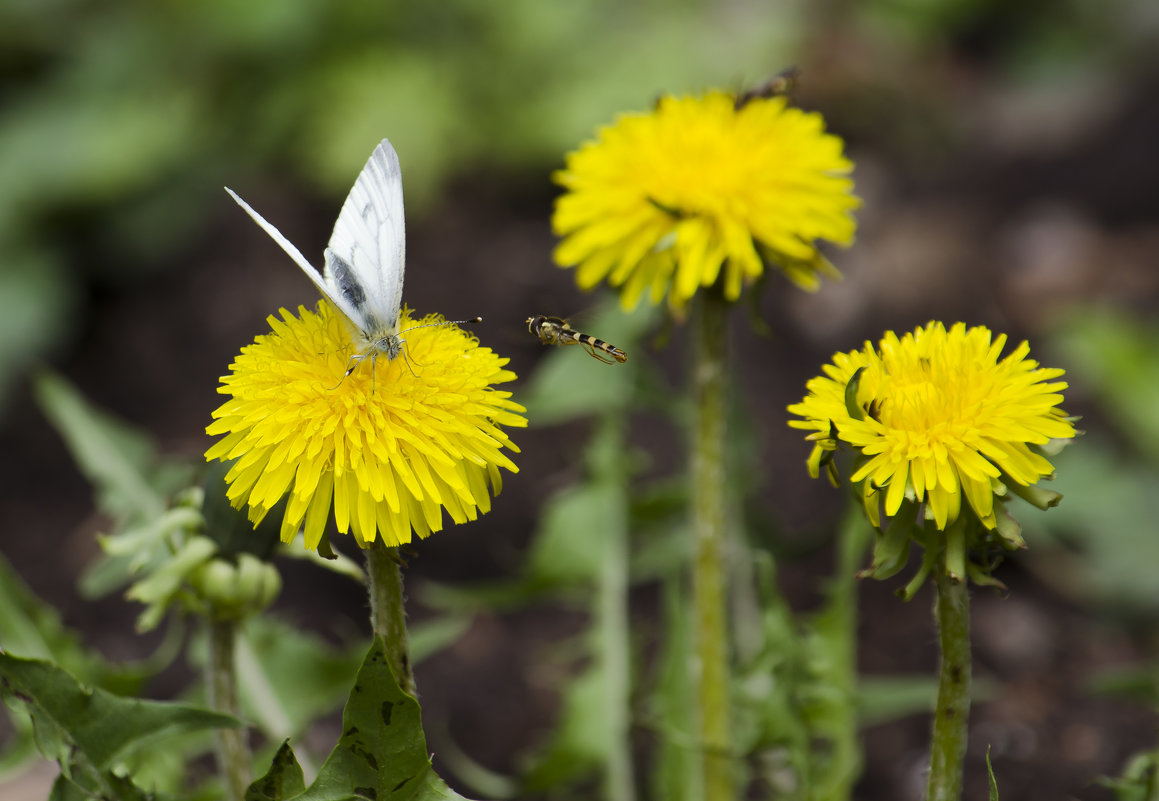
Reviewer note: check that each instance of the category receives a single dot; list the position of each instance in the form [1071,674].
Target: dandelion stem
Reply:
[948,746]
[387,610]
[709,546]
[233,755]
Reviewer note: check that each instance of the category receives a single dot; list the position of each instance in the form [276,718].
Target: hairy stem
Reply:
[233,754]
[387,610]
[948,746]
[711,641]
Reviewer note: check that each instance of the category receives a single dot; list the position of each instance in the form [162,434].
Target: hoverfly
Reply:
[555,331]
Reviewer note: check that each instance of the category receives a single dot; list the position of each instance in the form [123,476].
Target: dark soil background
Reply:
[1003,213]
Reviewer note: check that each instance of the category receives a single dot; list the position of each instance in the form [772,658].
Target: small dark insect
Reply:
[554,331]
[780,84]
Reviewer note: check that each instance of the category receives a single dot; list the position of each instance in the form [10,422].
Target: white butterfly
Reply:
[364,261]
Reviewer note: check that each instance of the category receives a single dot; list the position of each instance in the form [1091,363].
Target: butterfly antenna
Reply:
[444,322]
[431,325]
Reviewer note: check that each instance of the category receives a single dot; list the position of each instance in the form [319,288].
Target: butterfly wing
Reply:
[337,300]
[366,255]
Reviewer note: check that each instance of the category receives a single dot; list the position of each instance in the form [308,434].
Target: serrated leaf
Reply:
[283,780]
[107,785]
[30,627]
[382,752]
[86,725]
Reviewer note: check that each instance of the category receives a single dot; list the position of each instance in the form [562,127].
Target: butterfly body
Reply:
[364,261]
[556,331]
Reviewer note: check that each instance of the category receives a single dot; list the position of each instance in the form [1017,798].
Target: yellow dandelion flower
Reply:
[700,190]
[937,416]
[390,447]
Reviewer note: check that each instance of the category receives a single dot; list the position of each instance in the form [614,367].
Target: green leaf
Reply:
[676,773]
[567,548]
[1099,545]
[114,457]
[37,302]
[1118,357]
[109,786]
[1136,782]
[283,702]
[891,697]
[579,745]
[830,699]
[431,636]
[382,752]
[88,727]
[30,627]
[283,780]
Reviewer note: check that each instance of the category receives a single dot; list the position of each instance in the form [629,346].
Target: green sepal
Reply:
[982,577]
[1008,529]
[1034,495]
[891,546]
[851,406]
[929,562]
[955,536]
[163,585]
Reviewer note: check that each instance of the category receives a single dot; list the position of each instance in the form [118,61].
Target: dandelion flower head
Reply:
[701,189]
[389,447]
[938,415]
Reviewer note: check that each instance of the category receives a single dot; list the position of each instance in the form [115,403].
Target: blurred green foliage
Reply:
[122,120]
[1099,544]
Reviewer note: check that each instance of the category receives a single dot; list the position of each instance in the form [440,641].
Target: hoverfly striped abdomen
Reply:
[556,331]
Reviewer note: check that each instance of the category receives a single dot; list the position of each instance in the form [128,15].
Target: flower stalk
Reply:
[387,610]
[233,756]
[952,712]
[711,642]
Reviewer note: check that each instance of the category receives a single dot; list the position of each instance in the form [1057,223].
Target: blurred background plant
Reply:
[1005,156]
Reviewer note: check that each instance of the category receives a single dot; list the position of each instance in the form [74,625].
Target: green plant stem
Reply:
[388,612]
[948,746]
[233,755]
[611,610]
[711,642]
